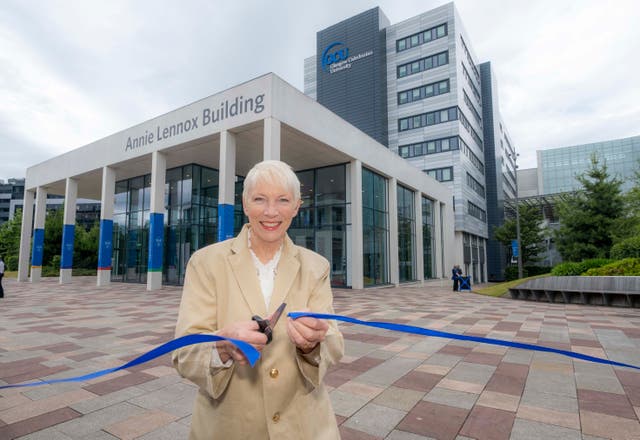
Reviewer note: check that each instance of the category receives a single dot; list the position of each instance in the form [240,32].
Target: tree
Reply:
[629,225]
[589,217]
[10,240]
[531,233]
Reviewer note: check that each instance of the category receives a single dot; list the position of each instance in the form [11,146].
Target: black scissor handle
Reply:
[264,327]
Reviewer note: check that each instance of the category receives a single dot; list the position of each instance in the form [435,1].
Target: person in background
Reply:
[2,266]
[283,395]
[456,273]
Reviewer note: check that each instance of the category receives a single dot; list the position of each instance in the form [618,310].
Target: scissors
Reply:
[266,325]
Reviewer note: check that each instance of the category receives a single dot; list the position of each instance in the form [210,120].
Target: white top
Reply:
[1,266]
[267,275]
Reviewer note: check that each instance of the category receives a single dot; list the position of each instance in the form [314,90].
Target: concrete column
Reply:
[25,236]
[105,243]
[156,221]
[419,245]
[394,270]
[68,230]
[227,178]
[37,250]
[271,139]
[355,264]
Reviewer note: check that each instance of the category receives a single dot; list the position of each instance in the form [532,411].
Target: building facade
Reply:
[11,193]
[424,71]
[171,185]
[558,167]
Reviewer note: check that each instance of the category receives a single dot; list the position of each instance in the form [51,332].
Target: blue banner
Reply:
[252,354]
[37,251]
[514,248]
[105,246]
[66,257]
[156,241]
[225,221]
[247,350]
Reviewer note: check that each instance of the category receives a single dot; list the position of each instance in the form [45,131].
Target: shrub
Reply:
[627,267]
[11,262]
[511,273]
[629,248]
[567,269]
[533,271]
[572,269]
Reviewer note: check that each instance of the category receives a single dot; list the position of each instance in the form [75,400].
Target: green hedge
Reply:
[511,272]
[628,267]
[629,248]
[569,268]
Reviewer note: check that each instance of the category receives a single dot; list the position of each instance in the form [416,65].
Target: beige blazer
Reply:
[282,396]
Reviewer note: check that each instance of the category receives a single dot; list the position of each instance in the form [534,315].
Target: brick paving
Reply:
[388,386]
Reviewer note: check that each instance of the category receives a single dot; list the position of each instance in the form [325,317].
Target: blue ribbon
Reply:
[438,334]
[249,352]
[252,354]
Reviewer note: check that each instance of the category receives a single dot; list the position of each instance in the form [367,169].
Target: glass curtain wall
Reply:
[406,234]
[191,216]
[321,223]
[131,229]
[375,228]
[428,239]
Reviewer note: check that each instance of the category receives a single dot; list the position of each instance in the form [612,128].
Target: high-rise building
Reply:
[417,87]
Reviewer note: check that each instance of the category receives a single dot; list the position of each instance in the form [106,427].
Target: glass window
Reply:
[414,40]
[426,36]
[428,63]
[431,147]
[402,44]
[416,121]
[444,144]
[402,71]
[453,114]
[415,94]
[415,67]
[446,174]
[444,116]
[444,86]
[403,97]
[442,59]
[121,197]
[404,124]
[375,229]
[428,90]
[442,30]
[406,234]
[431,118]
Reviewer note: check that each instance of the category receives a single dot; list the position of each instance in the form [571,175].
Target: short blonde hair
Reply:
[272,172]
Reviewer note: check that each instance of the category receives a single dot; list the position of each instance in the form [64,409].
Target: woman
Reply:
[282,396]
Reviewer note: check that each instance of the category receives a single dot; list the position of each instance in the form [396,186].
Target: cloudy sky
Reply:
[72,72]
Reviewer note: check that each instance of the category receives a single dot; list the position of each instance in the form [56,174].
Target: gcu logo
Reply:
[330,57]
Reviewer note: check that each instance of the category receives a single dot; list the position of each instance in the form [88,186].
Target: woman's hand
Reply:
[306,332]
[247,331]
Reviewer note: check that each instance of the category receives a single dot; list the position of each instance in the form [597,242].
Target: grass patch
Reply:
[501,289]
[11,273]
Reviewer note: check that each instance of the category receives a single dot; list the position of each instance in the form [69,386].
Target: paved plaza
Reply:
[388,386]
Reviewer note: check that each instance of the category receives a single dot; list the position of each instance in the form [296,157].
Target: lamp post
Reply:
[515,158]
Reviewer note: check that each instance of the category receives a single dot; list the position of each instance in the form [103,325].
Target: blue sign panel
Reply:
[38,248]
[156,241]
[105,247]
[334,53]
[225,221]
[514,248]
[66,258]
